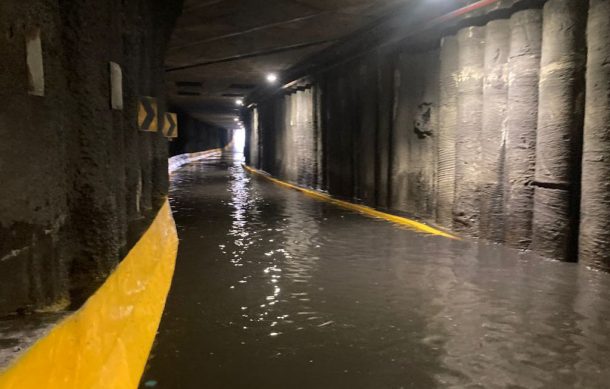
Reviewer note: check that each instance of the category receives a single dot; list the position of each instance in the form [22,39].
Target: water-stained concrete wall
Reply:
[79,179]
[480,131]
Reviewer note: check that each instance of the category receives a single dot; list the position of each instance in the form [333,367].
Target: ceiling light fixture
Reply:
[271,78]
[239,102]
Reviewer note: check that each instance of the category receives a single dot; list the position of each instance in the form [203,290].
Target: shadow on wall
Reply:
[480,131]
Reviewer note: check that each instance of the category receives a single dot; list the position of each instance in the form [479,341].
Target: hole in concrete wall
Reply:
[10,32]
[421,125]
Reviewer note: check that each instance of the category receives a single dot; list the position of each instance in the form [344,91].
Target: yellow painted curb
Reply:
[106,343]
[421,227]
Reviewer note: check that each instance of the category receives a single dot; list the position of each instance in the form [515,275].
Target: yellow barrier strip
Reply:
[106,343]
[355,207]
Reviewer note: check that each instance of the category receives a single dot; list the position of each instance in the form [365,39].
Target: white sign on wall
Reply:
[34,62]
[116,86]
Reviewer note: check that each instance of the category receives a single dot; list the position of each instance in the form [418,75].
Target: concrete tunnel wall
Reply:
[79,181]
[481,133]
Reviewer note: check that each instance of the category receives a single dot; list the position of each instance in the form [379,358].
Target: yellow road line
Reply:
[106,343]
[356,207]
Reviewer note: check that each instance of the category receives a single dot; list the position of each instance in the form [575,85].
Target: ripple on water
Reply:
[297,293]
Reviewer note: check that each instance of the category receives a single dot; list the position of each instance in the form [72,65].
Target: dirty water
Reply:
[276,290]
[19,332]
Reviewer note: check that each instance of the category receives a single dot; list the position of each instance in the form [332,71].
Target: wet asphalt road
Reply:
[276,290]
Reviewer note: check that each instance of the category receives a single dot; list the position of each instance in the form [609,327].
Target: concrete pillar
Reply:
[522,115]
[35,168]
[366,120]
[289,153]
[263,134]
[413,143]
[146,173]
[385,101]
[426,125]
[93,205]
[118,123]
[270,136]
[594,249]
[495,96]
[446,130]
[130,138]
[281,109]
[303,135]
[307,162]
[159,168]
[339,136]
[469,123]
[300,136]
[559,138]
[303,138]
[317,126]
[145,139]
[252,147]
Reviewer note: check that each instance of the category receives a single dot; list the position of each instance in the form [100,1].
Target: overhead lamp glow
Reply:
[271,78]
[235,119]
[239,102]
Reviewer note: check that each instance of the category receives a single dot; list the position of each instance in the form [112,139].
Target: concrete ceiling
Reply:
[222,49]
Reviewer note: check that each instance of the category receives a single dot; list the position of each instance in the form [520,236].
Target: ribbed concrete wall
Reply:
[471,62]
[481,134]
[449,67]
[493,129]
[79,180]
[522,117]
[560,122]
[594,239]
[283,137]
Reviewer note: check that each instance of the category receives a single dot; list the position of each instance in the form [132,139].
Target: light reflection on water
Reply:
[276,290]
[292,260]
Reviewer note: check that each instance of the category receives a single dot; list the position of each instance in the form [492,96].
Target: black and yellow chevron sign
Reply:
[147,114]
[170,125]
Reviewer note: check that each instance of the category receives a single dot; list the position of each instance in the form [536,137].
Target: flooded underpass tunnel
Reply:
[276,289]
[305,194]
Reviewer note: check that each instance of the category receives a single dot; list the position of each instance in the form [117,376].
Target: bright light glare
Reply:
[239,102]
[235,119]
[271,77]
[239,140]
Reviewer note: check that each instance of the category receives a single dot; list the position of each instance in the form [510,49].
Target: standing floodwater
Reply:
[276,290]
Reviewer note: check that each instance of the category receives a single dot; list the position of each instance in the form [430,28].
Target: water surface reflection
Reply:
[276,290]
